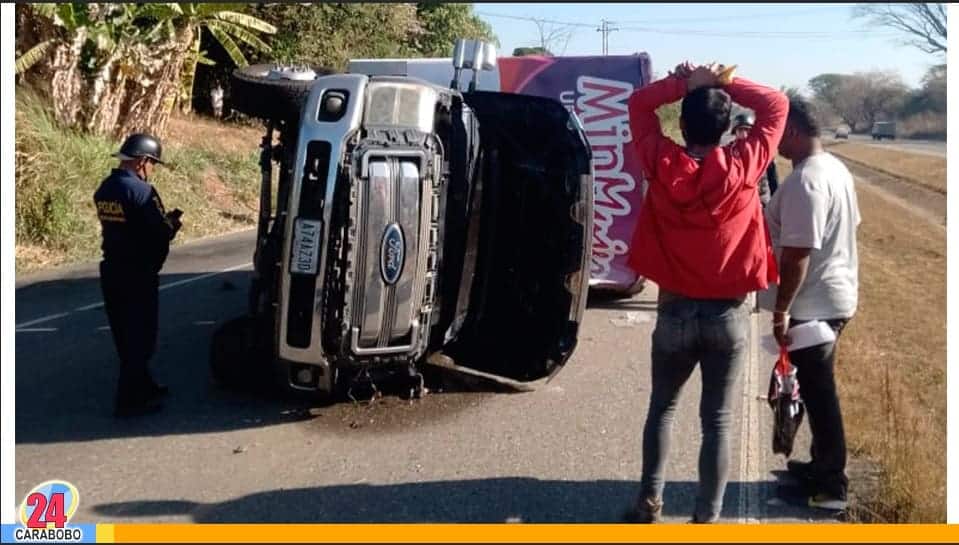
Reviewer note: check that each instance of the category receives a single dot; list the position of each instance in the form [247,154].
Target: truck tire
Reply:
[236,360]
[255,93]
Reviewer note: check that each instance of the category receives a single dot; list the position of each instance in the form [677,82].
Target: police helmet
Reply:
[140,145]
[743,120]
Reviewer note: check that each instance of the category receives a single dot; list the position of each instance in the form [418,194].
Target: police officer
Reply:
[136,239]
[742,124]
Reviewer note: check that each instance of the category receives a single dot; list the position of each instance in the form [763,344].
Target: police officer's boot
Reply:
[137,394]
[147,404]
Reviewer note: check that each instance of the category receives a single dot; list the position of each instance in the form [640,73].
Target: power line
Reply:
[760,34]
[528,18]
[767,14]
[605,28]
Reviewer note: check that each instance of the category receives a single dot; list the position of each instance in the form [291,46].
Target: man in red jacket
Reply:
[703,240]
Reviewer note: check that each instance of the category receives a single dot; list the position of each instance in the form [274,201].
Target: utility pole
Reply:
[605,29]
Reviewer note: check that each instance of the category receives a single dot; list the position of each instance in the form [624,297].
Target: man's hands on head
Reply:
[702,76]
[707,75]
[683,70]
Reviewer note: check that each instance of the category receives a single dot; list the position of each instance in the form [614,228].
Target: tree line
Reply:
[861,99]
[115,68]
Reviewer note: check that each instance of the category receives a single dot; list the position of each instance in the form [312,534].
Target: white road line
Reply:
[41,320]
[100,303]
[750,502]
[36,330]
[201,277]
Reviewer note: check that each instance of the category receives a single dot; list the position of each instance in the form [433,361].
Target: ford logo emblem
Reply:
[392,253]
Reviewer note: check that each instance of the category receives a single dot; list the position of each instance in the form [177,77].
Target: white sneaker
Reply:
[826,501]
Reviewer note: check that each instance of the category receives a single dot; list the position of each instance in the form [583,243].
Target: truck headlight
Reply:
[332,105]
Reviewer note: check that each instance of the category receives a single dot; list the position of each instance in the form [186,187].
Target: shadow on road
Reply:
[604,300]
[514,499]
[66,369]
[622,304]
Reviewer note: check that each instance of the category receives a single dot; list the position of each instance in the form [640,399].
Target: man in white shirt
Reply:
[216,100]
[812,221]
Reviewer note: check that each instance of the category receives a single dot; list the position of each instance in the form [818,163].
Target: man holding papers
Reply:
[812,221]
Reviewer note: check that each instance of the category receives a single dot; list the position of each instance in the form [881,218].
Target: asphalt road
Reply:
[567,452]
[927,147]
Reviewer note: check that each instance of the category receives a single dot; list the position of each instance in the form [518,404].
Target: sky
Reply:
[790,44]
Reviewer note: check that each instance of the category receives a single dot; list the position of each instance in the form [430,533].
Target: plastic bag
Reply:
[787,405]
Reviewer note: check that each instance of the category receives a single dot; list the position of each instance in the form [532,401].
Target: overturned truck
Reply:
[404,223]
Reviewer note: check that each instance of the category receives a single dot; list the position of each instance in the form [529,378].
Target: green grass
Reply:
[669,121]
[58,170]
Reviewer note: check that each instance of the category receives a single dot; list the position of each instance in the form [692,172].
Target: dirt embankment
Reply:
[212,175]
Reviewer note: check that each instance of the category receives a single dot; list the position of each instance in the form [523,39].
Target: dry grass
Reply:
[925,170]
[892,359]
[205,134]
[212,175]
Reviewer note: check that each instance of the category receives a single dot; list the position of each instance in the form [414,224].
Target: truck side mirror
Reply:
[459,57]
[481,60]
[459,54]
[475,55]
[489,57]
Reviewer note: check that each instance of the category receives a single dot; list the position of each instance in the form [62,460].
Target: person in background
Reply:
[136,234]
[813,220]
[701,238]
[216,100]
[769,183]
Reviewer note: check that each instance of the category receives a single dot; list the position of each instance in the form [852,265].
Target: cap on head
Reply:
[743,120]
[140,145]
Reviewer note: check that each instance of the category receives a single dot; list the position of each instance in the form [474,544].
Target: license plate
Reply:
[306,246]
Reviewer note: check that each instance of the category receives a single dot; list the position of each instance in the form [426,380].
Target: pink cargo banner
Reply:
[597,89]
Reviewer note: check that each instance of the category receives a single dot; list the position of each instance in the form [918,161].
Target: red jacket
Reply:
[701,230]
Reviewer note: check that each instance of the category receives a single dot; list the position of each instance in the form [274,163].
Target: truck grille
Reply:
[393,255]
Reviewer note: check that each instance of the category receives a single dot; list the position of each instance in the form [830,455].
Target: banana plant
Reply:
[66,16]
[34,55]
[102,26]
[228,26]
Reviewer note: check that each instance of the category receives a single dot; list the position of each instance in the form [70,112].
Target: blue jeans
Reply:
[714,334]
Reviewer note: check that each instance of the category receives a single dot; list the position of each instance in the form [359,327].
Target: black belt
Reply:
[668,297]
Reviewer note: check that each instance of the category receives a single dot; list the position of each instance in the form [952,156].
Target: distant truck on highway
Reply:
[884,129]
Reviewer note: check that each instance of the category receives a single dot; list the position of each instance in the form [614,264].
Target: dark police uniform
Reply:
[136,241]
[768,184]
[770,181]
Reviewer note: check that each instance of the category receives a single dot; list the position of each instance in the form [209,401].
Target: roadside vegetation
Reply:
[920,169]
[88,74]
[212,174]
[113,68]
[891,367]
